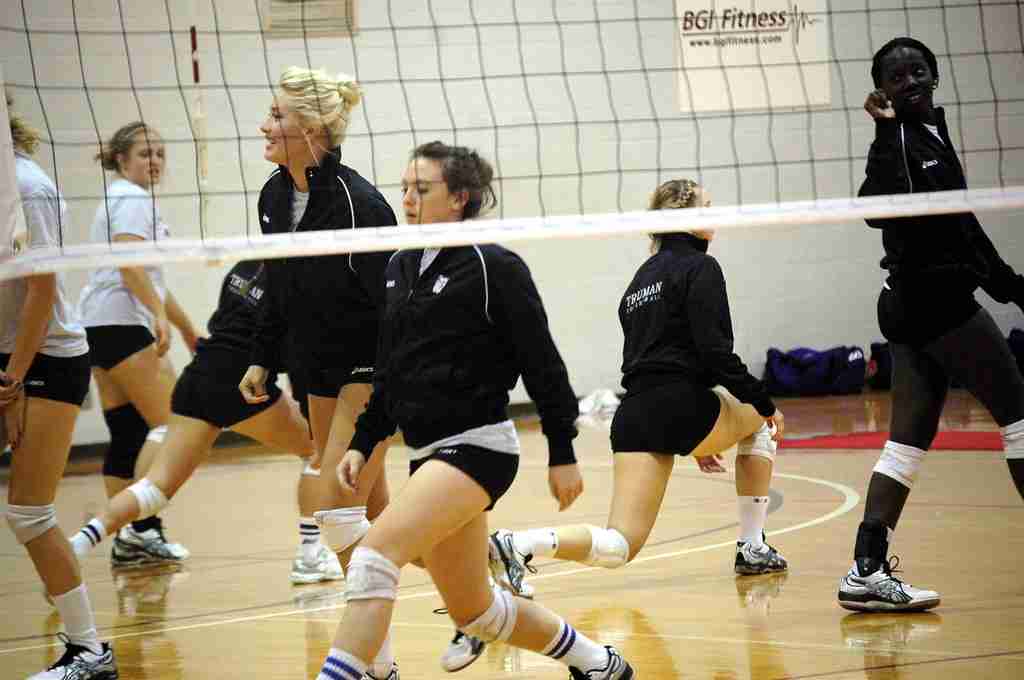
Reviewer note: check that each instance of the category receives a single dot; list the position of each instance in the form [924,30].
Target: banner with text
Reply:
[761,55]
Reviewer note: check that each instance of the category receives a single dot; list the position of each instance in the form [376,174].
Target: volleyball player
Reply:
[678,346]
[459,327]
[44,377]
[936,329]
[329,305]
[206,401]
[126,312]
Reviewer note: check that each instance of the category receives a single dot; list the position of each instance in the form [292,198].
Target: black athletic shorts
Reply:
[64,379]
[208,389]
[325,378]
[110,345]
[672,418]
[492,470]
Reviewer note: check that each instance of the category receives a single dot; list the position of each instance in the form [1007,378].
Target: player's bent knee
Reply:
[150,498]
[900,462]
[498,621]
[370,576]
[759,444]
[29,522]
[342,528]
[608,548]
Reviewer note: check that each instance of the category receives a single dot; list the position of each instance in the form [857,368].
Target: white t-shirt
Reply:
[106,300]
[45,213]
[299,202]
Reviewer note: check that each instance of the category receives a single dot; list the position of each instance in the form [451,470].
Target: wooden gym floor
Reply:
[677,612]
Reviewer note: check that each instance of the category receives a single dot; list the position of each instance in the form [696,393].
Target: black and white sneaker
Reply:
[508,565]
[78,663]
[144,547]
[392,674]
[881,591]
[764,559]
[461,652]
[617,669]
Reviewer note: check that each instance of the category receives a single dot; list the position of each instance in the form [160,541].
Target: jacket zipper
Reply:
[906,165]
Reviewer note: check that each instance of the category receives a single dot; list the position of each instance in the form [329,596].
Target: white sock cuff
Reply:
[95,531]
[341,664]
[1013,440]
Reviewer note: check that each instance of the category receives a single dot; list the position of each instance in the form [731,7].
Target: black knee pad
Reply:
[128,430]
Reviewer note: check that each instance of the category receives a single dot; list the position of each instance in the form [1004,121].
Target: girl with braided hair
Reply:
[678,348]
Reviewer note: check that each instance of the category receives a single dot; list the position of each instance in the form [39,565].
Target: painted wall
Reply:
[579,113]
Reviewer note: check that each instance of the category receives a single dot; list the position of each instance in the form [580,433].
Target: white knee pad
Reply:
[900,462]
[758,444]
[371,576]
[29,522]
[608,548]
[498,622]
[149,496]
[1013,440]
[342,528]
[157,434]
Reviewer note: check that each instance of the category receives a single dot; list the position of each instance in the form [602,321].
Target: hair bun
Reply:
[349,90]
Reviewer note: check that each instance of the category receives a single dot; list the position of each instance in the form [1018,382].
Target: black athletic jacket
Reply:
[238,309]
[454,341]
[935,255]
[330,302]
[675,317]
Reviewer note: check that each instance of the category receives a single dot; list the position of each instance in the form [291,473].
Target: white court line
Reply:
[851,498]
[785,644]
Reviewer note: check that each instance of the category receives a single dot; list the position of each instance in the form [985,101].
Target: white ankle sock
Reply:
[537,542]
[753,512]
[309,534]
[575,649]
[76,613]
[381,665]
[88,537]
[341,664]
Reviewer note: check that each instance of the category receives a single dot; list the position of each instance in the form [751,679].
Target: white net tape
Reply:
[217,251]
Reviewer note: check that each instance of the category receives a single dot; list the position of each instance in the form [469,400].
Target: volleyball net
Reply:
[582,106]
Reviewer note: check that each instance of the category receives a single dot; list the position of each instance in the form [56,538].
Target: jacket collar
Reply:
[682,242]
[329,168]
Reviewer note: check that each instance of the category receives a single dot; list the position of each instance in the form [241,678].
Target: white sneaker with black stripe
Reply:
[78,663]
[880,591]
[617,669]
[461,652]
[325,568]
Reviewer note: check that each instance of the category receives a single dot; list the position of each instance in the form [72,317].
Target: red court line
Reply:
[956,440]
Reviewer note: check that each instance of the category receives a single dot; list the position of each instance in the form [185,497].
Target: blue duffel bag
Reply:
[805,372]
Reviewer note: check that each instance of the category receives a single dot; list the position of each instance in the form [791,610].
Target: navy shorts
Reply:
[672,418]
[492,470]
[110,345]
[64,379]
[208,389]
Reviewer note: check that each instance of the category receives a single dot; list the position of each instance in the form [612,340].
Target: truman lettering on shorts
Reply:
[358,370]
[928,164]
[645,295]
